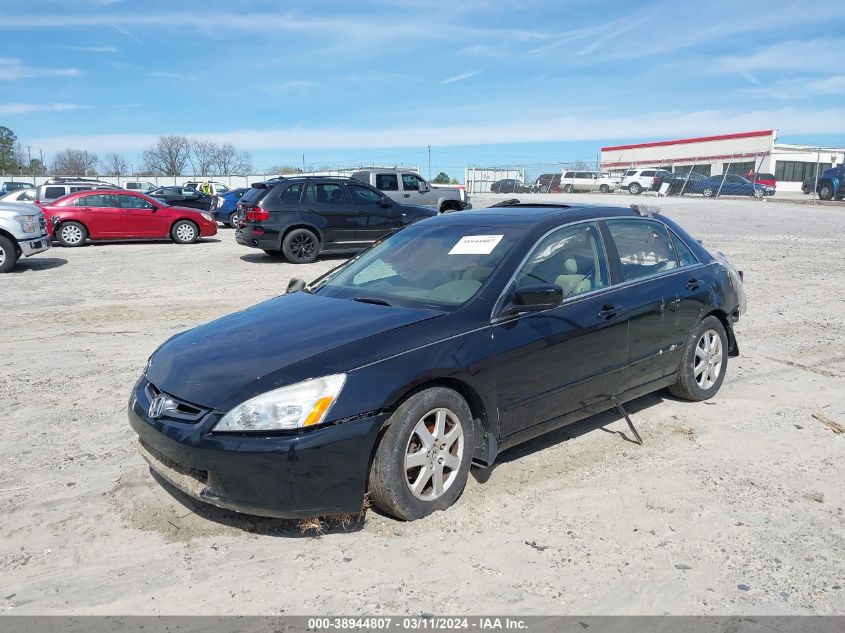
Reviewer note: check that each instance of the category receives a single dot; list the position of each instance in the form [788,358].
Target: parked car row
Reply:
[568,181]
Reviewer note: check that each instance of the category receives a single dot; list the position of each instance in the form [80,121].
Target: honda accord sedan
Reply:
[436,349]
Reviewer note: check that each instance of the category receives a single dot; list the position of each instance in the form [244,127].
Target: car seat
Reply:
[572,282]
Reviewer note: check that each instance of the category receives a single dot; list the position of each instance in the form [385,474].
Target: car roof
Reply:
[533,215]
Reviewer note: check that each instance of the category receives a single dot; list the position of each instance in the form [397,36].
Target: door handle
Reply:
[407,195]
[693,284]
[609,312]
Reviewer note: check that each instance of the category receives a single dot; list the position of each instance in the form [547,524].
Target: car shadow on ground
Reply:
[263,258]
[38,263]
[577,429]
[262,526]
[95,243]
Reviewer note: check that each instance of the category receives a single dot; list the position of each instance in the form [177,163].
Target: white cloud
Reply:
[91,49]
[461,77]
[534,127]
[12,69]
[799,88]
[7,109]
[163,74]
[801,55]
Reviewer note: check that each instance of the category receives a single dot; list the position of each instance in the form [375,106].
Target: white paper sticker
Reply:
[476,245]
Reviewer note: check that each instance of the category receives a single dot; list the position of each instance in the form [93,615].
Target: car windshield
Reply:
[435,266]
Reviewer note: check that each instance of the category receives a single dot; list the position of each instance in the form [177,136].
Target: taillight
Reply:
[256,214]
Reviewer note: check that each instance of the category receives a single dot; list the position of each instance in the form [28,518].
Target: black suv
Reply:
[300,217]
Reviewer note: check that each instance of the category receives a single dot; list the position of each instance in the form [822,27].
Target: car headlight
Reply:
[28,223]
[207,216]
[293,407]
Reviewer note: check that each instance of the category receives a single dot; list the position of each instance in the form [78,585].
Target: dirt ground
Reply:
[732,506]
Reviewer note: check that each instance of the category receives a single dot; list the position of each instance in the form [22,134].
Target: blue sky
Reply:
[482,81]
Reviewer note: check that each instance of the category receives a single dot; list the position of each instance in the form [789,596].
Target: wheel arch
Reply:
[480,417]
[300,225]
[13,239]
[61,220]
[727,322]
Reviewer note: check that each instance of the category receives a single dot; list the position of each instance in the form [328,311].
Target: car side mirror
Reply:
[537,297]
[386,202]
[295,284]
[424,187]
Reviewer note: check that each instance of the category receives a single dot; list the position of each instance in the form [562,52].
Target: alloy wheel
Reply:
[434,454]
[185,232]
[303,246]
[2,255]
[71,234]
[707,362]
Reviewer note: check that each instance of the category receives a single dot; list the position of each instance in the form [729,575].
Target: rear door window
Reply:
[97,200]
[648,173]
[51,193]
[387,182]
[324,193]
[291,194]
[644,247]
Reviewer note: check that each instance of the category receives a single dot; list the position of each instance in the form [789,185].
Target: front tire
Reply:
[758,193]
[422,463]
[72,234]
[185,232]
[635,188]
[8,254]
[604,189]
[568,189]
[704,362]
[301,246]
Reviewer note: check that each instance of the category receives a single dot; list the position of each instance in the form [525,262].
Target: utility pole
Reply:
[29,156]
[429,163]
[303,163]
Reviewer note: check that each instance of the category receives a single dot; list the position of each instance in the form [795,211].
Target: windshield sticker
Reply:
[476,245]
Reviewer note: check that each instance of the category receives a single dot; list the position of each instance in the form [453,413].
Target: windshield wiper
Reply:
[373,300]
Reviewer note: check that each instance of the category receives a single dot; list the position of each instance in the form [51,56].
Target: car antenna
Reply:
[645,210]
[624,413]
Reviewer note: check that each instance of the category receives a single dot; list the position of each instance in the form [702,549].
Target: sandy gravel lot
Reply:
[733,506]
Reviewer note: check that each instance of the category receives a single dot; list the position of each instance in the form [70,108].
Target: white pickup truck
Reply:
[23,232]
[408,187]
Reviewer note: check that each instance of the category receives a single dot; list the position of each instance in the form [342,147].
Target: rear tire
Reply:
[422,462]
[8,254]
[604,189]
[72,234]
[825,191]
[568,189]
[185,232]
[708,192]
[635,188]
[301,246]
[233,220]
[704,362]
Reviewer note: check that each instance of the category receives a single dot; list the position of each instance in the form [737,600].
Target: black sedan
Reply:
[436,349]
[508,185]
[184,197]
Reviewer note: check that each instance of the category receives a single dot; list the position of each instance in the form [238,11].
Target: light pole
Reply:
[429,163]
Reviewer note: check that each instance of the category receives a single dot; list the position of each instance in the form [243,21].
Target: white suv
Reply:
[571,181]
[638,180]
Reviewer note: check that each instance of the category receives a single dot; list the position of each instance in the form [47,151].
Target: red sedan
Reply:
[118,214]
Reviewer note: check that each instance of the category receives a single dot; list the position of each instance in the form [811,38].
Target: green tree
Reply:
[8,156]
[441,179]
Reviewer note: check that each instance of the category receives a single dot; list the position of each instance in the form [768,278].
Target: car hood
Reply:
[207,364]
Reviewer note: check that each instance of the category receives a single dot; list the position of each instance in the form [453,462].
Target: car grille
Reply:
[174,408]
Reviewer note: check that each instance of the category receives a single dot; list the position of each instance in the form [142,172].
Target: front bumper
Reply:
[319,472]
[35,245]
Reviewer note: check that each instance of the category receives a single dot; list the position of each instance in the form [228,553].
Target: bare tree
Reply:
[168,156]
[115,165]
[229,161]
[203,156]
[75,162]
[284,170]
